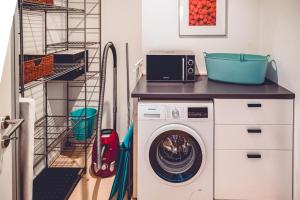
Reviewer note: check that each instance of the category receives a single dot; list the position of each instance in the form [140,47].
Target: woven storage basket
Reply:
[36,66]
[48,2]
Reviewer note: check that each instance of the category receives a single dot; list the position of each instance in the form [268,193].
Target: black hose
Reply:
[108,46]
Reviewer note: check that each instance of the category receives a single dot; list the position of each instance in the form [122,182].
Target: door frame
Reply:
[15,104]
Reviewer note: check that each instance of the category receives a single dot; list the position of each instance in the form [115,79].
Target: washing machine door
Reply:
[176,153]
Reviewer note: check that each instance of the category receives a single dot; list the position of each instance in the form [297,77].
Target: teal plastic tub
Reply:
[80,124]
[236,68]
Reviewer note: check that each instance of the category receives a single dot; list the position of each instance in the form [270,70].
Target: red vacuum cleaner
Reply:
[106,146]
[109,153]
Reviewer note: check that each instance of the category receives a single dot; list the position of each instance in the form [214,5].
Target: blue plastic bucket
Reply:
[82,127]
[236,68]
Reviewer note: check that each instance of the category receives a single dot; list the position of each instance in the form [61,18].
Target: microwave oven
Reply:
[170,66]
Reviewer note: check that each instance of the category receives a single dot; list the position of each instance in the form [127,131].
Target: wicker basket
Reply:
[35,1]
[48,2]
[36,67]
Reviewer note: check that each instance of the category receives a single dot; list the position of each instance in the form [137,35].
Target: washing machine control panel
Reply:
[179,112]
[197,112]
[175,111]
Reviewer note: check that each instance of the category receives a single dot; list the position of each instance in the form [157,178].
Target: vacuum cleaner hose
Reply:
[108,46]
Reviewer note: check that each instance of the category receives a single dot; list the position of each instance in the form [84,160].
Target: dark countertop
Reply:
[207,89]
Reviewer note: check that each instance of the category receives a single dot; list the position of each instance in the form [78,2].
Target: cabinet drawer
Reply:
[254,137]
[253,111]
[265,178]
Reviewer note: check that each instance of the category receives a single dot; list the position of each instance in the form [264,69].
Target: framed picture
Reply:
[202,17]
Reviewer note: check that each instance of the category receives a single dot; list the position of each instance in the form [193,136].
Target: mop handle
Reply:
[128,85]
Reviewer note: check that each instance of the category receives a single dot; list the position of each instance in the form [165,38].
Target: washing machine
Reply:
[175,150]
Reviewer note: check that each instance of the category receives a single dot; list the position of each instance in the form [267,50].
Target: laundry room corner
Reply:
[150,100]
[121,23]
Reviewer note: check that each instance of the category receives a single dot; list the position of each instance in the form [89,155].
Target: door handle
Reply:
[254,156]
[252,130]
[7,136]
[183,69]
[254,105]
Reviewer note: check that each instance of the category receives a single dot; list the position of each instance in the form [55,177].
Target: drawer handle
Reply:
[254,156]
[254,130]
[254,105]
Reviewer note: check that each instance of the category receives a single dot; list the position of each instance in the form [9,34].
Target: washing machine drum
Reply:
[175,156]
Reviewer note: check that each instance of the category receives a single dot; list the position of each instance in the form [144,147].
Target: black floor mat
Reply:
[55,183]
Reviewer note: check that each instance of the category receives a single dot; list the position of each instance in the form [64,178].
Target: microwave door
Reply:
[167,68]
[173,68]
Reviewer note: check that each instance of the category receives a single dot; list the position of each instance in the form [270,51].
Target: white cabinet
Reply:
[273,137]
[253,149]
[265,178]
[253,111]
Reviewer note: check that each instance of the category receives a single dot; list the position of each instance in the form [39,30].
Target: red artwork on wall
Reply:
[202,12]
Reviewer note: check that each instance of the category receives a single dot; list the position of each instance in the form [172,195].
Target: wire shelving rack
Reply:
[53,132]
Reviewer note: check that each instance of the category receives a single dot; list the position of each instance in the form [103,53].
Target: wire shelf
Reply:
[90,75]
[54,136]
[58,129]
[59,70]
[75,44]
[59,137]
[49,8]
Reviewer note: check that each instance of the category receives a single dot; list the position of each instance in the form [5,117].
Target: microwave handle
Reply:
[183,68]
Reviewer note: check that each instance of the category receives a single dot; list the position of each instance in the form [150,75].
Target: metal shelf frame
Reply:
[49,8]
[80,45]
[59,70]
[53,133]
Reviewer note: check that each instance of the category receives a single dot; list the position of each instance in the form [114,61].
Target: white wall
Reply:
[6,18]
[280,37]
[161,29]
[121,23]
[6,165]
